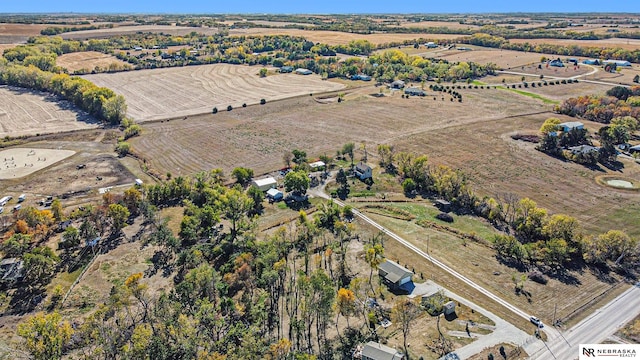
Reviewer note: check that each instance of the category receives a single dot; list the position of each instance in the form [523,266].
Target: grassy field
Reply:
[25,112]
[183,91]
[257,136]
[132,29]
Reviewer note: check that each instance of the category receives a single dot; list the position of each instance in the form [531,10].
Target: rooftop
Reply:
[393,271]
[377,351]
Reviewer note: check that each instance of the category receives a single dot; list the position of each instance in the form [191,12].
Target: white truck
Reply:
[5,200]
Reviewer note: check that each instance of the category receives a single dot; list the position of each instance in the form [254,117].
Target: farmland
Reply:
[24,112]
[256,137]
[123,30]
[89,60]
[164,93]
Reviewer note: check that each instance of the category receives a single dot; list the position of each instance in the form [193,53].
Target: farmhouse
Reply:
[302,71]
[394,275]
[617,63]
[363,171]
[265,183]
[398,84]
[570,125]
[376,351]
[414,92]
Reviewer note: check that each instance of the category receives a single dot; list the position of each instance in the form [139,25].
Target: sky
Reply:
[316,6]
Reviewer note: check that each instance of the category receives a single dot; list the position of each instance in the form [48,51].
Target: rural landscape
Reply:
[270,186]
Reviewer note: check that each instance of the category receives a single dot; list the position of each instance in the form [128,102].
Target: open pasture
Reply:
[497,164]
[257,136]
[19,33]
[24,112]
[88,60]
[338,38]
[183,91]
[124,30]
[505,59]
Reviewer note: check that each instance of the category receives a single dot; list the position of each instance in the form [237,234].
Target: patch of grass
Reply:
[282,205]
[532,95]
[174,214]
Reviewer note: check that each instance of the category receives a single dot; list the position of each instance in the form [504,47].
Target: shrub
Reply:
[229,108]
[123,148]
[263,101]
[538,277]
[215,110]
[445,217]
[244,105]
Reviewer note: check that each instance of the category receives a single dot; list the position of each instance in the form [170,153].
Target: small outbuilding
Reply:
[431,45]
[286,69]
[302,71]
[398,84]
[274,194]
[376,351]
[556,63]
[634,149]
[265,184]
[363,171]
[570,125]
[449,308]
[394,275]
[317,165]
[591,62]
[443,205]
[583,149]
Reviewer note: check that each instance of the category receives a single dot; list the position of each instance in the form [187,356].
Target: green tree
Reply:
[263,72]
[297,181]
[118,215]
[56,210]
[39,265]
[258,197]
[243,175]
[299,156]
[347,149]
[70,238]
[115,109]
[235,204]
[45,335]
[123,148]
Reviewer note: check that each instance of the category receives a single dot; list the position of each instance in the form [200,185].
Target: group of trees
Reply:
[619,102]
[489,40]
[554,241]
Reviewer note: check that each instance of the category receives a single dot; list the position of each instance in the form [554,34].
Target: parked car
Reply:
[536,322]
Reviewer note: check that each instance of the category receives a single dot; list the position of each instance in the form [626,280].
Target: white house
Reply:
[302,71]
[265,184]
[363,171]
[376,351]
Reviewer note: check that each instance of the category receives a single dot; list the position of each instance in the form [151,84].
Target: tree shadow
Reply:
[25,299]
[613,165]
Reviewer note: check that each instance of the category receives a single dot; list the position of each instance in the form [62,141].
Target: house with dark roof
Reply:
[414,92]
[363,171]
[398,84]
[286,69]
[394,275]
[376,351]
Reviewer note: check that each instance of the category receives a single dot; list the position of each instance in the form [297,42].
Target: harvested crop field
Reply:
[446,24]
[89,60]
[505,59]
[183,91]
[24,112]
[257,136]
[629,44]
[337,37]
[122,30]
[17,33]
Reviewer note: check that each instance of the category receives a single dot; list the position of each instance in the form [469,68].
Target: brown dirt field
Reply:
[121,30]
[88,60]
[182,91]
[257,136]
[19,33]
[629,44]
[33,160]
[24,112]
[337,38]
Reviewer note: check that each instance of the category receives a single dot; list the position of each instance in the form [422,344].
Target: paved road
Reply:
[603,323]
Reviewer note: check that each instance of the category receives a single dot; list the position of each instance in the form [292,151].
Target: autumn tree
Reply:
[56,210]
[45,335]
[345,305]
[297,181]
[374,256]
[118,215]
[404,312]
[550,125]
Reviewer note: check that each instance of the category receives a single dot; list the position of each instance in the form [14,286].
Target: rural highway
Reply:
[600,325]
